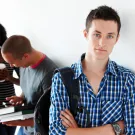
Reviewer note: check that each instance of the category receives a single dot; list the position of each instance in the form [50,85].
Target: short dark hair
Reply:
[105,13]
[3,35]
[17,45]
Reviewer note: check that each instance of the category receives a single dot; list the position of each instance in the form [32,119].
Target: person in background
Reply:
[7,86]
[36,70]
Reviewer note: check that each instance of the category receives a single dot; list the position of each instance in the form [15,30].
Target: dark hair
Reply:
[3,34]
[17,45]
[105,13]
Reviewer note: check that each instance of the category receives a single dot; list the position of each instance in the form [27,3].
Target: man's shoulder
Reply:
[121,70]
[74,68]
[48,61]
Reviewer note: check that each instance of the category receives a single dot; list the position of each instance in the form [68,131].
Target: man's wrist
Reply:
[110,129]
[23,99]
[117,129]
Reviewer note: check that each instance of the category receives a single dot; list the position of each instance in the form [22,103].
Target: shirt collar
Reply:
[79,70]
[111,68]
[78,67]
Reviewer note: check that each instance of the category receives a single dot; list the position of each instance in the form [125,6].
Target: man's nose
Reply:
[102,42]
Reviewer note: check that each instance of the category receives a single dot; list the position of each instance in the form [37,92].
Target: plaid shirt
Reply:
[115,100]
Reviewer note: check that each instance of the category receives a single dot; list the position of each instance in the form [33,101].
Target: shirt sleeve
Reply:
[129,105]
[59,101]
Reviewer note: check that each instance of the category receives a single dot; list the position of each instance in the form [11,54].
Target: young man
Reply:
[6,87]
[107,90]
[35,73]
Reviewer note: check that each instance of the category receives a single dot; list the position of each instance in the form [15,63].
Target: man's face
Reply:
[14,62]
[102,37]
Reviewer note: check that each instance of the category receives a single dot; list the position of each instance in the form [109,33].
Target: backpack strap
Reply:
[72,86]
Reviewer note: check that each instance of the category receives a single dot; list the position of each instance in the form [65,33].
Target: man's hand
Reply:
[27,122]
[14,100]
[68,119]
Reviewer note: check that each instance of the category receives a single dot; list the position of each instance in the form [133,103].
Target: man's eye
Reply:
[97,35]
[109,36]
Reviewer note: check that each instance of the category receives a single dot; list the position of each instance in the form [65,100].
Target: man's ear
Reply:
[85,33]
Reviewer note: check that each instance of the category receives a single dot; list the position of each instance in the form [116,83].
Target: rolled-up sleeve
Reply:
[129,105]
[59,101]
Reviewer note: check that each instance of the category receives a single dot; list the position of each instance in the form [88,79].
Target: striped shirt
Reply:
[115,100]
[6,88]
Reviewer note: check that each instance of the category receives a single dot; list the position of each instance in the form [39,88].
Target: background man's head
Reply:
[3,37]
[16,50]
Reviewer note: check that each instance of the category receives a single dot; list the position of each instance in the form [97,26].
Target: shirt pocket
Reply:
[111,111]
[129,102]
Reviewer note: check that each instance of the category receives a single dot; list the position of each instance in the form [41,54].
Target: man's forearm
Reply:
[102,130]
[27,122]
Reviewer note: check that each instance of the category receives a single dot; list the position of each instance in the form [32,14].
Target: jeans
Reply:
[21,131]
[6,130]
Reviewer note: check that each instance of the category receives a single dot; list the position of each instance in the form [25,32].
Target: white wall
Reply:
[55,26]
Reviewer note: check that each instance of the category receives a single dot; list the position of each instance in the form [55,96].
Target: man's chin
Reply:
[102,57]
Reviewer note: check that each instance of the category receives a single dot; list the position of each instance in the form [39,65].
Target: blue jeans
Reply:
[21,131]
[6,130]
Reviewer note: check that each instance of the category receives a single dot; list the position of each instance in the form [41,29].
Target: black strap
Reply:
[72,86]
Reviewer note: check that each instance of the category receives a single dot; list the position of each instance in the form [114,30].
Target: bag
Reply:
[41,118]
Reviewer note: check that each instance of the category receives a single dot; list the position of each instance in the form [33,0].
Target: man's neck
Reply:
[36,56]
[94,65]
